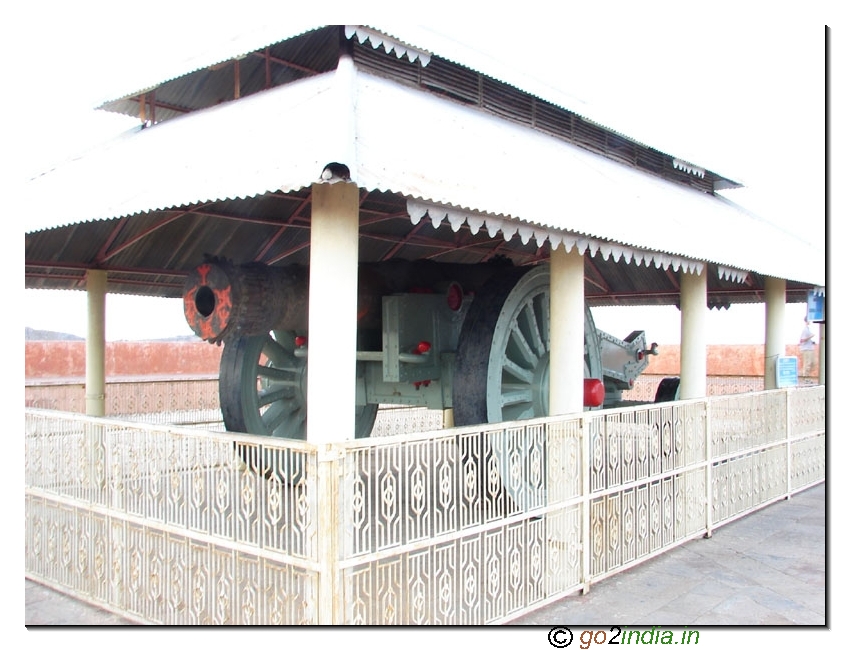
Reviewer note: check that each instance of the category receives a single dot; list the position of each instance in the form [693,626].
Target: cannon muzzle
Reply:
[221,300]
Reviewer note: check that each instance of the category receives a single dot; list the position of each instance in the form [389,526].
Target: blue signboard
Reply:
[786,372]
[815,306]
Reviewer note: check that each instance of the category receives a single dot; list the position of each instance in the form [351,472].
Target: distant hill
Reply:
[46,335]
[188,338]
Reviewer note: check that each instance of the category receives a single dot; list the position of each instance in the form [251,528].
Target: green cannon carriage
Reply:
[472,338]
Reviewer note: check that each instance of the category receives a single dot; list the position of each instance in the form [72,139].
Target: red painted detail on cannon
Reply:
[594,392]
[207,303]
[454,296]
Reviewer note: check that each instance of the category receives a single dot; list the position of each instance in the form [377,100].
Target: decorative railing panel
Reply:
[806,411]
[742,483]
[398,420]
[564,458]
[647,385]
[741,422]
[164,525]
[176,401]
[629,445]
[465,526]
[808,461]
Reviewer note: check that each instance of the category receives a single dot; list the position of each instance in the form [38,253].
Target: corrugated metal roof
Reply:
[312,53]
[414,42]
[151,254]
[279,139]
[525,80]
[409,142]
[233,180]
[216,53]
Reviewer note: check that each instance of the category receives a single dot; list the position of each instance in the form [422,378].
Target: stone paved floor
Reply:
[768,568]
[46,606]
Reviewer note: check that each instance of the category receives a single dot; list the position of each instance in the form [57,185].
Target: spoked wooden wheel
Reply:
[502,374]
[263,388]
[502,366]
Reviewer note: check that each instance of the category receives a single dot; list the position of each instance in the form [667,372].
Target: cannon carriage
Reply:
[472,338]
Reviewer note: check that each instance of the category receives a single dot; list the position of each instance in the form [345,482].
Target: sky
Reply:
[738,91]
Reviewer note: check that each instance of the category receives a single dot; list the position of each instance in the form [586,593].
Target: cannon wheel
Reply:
[502,366]
[668,390]
[263,388]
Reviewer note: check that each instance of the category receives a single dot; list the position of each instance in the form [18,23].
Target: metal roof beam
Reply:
[492,253]
[380,217]
[288,252]
[297,213]
[596,280]
[101,254]
[289,64]
[105,253]
[244,219]
[80,280]
[154,104]
[413,241]
[674,279]
[265,249]
[406,239]
[77,266]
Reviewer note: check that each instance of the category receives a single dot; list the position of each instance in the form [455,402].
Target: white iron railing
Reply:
[465,526]
[166,400]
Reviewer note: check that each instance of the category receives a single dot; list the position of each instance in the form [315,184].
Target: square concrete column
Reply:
[566,332]
[332,328]
[693,302]
[96,343]
[774,330]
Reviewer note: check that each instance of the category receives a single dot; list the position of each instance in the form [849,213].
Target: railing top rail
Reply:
[187,431]
[270,442]
[33,382]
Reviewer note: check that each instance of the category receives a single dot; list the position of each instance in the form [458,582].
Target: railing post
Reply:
[787,392]
[330,600]
[709,496]
[586,544]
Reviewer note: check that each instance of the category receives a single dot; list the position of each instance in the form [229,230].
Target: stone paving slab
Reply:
[768,568]
[46,606]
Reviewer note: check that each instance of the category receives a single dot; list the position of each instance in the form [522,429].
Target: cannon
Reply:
[473,338]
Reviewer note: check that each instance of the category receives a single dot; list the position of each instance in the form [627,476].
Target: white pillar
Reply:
[774,328]
[566,332]
[694,294]
[822,355]
[332,333]
[96,343]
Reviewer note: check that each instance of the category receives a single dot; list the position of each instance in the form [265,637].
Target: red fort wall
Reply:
[67,359]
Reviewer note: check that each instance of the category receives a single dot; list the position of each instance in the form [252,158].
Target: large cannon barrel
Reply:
[222,300]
